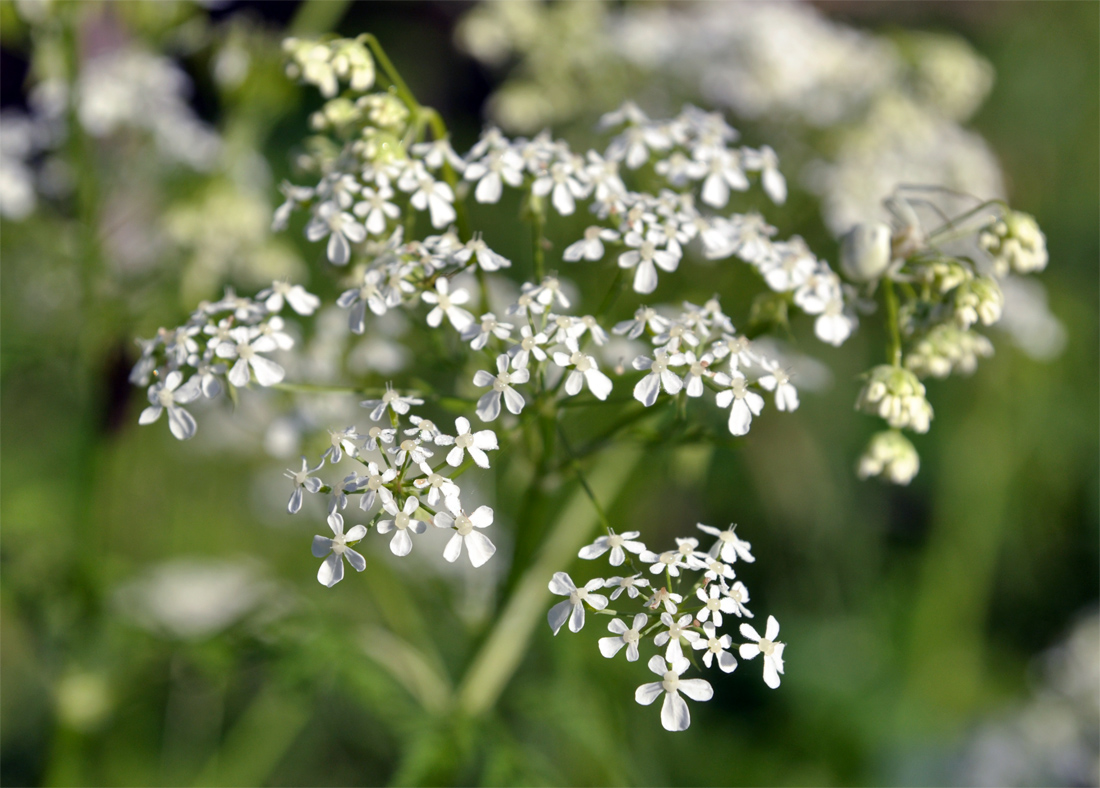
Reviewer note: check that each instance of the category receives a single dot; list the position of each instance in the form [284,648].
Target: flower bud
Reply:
[891,456]
[895,394]
[865,252]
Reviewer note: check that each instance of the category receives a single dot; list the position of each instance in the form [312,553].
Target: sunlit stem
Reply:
[893,350]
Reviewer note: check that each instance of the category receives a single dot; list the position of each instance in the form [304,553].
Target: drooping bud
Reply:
[865,251]
[891,456]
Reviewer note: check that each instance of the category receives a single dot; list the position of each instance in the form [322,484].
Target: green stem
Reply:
[893,351]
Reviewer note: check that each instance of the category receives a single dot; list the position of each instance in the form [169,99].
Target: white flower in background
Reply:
[478,546]
[245,346]
[438,152]
[777,380]
[660,376]
[716,647]
[209,376]
[674,712]
[274,327]
[675,629]
[729,546]
[373,485]
[724,172]
[340,227]
[476,443]
[644,258]
[303,479]
[584,372]
[447,303]
[714,604]
[742,402]
[396,402]
[643,316]
[428,194]
[426,430]
[530,344]
[411,448]
[169,395]
[616,543]
[572,609]
[301,301]
[631,584]
[633,145]
[624,636]
[768,646]
[478,333]
[590,247]
[670,561]
[698,371]
[766,162]
[740,595]
[564,189]
[789,266]
[336,548]
[401,524]
[491,173]
[375,209]
[488,407]
[718,570]
[378,436]
[486,257]
[369,294]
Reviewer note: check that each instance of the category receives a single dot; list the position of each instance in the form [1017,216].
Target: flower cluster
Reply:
[405,474]
[682,599]
[222,342]
[949,280]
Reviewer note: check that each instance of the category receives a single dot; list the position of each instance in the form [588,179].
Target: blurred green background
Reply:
[161,624]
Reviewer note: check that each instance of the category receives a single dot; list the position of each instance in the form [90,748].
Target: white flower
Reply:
[340,227]
[723,173]
[630,584]
[427,431]
[486,257]
[616,543]
[742,402]
[573,607]
[729,546]
[662,596]
[498,167]
[377,435]
[718,570]
[342,441]
[676,628]
[446,303]
[777,380]
[332,570]
[644,258]
[488,407]
[671,561]
[169,395]
[439,486]
[647,389]
[401,524]
[376,208]
[273,327]
[698,371]
[564,189]
[246,350]
[413,449]
[895,394]
[477,443]
[767,645]
[766,162]
[437,153]
[891,455]
[714,605]
[398,403]
[674,712]
[373,485]
[643,316]
[624,636]
[301,301]
[716,646]
[791,265]
[740,595]
[530,344]
[477,334]
[478,546]
[302,479]
[584,371]
[590,247]
[369,294]
[428,194]
[635,142]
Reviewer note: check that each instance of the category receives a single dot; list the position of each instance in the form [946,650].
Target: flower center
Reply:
[631,636]
[502,382]
[464,441]
[463,524]
[615,540]
[390,396]
[401,520]
[671,681]
[767,648]
[245,351]
[166,400]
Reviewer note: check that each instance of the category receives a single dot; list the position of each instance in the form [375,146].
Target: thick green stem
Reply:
[893,350]
[503,650]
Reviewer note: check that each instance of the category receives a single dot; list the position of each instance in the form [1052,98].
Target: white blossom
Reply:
[372,485]
[714,604]
[340,227]
[616,543]
[631,584]
[675,629]
[476,443]
[660,376]
[375,209]
[488,407]
[402,524]
[336,548]
[478,546]
[716,647]
[584,372]
[447,303]
[398,403]
[674,711]
[169,395]
[624,636]
[572,609]
[301,301]
[245,346]
[644,258]
[729,546]
[590,247]
[742,402]
[478,333]
[768,646]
